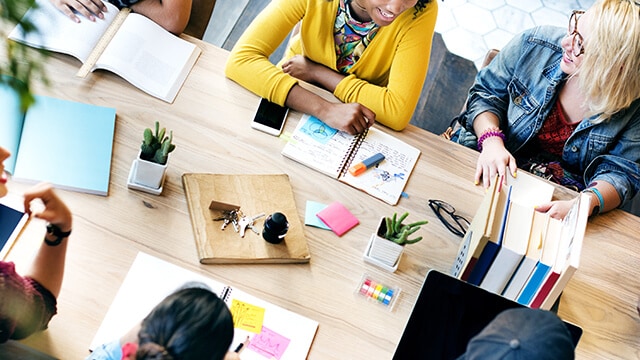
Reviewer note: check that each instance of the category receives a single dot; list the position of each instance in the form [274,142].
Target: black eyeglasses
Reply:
[576,42]
[447,215]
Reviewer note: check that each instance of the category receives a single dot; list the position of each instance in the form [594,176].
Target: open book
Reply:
[66,143]
[140,51]
[331,152]
[273,332]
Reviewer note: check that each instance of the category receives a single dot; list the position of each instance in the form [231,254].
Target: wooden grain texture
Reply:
[253,194]
[210,119]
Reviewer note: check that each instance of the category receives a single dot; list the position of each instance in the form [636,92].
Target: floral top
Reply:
[351,37]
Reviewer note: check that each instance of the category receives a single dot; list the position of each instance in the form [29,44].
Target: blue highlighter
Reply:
[360,167]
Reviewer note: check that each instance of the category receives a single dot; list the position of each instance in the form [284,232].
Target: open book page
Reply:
[56,32]
[318,146]
[387,180]
[12,120]
[149,57]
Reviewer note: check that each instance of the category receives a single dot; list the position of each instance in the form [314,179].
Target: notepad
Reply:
[66,143]
[338,218]
[331,152]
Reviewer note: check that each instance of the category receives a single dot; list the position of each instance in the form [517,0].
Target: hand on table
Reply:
[494,159]
[55,211]
[301,68]
[352,118]
[88,8]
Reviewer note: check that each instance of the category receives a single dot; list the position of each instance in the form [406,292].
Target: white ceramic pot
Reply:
[382,252]
[147,174]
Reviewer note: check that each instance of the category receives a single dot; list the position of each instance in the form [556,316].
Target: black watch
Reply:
[54,230]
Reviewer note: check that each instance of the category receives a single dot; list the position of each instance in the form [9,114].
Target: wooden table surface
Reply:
[210,119]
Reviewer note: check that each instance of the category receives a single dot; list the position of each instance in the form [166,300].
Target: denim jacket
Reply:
[521,87]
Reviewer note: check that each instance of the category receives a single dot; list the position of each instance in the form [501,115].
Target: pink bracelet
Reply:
[490,133]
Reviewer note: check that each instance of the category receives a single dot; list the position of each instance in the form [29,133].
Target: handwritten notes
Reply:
[269,344]
[246,316]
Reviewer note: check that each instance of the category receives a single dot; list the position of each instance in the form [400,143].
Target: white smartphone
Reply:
[270,117]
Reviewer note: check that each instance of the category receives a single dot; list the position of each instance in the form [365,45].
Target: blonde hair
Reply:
[610,70]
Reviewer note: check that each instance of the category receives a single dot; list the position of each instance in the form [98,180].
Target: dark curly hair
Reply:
[192,323]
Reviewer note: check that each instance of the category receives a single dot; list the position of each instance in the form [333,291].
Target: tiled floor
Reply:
[471,27]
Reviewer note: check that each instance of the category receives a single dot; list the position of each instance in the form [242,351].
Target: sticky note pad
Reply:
[310,217]
[338,218]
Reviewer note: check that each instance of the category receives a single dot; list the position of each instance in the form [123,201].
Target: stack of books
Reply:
[517,252]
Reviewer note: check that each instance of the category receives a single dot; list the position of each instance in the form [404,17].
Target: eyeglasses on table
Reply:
[455,223]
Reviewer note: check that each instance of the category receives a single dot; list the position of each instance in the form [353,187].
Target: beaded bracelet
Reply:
[491,132]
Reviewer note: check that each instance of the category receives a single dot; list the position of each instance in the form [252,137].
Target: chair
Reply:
[201,11]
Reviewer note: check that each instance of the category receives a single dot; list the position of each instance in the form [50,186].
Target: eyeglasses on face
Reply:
[446,213]
[576,42]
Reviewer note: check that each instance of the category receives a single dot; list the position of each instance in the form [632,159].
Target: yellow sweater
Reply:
[387,79]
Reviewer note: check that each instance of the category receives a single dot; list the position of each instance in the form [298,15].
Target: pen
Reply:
[241,345]
[360,167]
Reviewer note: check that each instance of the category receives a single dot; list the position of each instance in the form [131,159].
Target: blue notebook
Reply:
[66,143]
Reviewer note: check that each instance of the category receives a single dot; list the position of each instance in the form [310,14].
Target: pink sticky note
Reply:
[269,344]
[338,218]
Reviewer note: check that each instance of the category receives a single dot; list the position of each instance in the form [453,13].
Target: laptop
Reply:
[447,314]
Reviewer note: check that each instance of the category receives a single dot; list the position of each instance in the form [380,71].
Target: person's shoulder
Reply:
[546,35]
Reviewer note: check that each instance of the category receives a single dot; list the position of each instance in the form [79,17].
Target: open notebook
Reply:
[332,152]
[274,332]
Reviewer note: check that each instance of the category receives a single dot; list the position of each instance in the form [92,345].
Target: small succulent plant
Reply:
[156,146]
[399,233]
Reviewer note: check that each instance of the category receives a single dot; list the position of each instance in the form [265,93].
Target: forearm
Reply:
[326,78]
[608,195]
[48,266]
[307,102]
[173,15]
[485,121]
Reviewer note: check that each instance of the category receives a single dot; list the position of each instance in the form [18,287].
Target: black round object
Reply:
[275,228]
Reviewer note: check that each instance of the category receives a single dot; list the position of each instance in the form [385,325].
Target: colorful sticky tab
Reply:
[377,292]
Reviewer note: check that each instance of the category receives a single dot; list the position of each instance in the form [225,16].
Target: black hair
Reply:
[192,323]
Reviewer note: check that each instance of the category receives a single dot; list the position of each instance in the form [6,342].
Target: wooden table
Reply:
[210,119]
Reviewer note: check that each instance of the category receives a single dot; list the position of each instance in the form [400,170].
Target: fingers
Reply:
[90,9]
[55,211]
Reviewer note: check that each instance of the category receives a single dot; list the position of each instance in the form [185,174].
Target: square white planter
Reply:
[147,176]
[382,252]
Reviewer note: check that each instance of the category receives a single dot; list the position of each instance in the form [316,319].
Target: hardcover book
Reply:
[253,195]
[66,143]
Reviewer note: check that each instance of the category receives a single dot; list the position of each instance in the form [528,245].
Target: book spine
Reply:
[351,153]
[484,263]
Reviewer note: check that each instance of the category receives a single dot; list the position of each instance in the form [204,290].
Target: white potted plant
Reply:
[149,169]
[386,245]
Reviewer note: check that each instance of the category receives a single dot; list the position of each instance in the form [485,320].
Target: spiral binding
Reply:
[351,153]
[226,294]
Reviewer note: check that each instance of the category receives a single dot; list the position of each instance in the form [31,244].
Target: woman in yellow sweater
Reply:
[373,55]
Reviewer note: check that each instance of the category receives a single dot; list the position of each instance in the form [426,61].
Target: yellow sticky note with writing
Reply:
[247,316]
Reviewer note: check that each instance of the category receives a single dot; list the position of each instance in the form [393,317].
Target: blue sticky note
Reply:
[310,217]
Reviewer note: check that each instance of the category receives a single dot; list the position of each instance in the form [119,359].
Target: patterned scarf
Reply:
[351,37]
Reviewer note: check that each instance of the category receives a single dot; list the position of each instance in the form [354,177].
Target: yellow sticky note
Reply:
[247,316]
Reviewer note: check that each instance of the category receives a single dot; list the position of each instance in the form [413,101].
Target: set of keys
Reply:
[239,221]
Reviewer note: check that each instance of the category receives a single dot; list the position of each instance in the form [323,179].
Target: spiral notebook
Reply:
[331,152]
[274,332]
